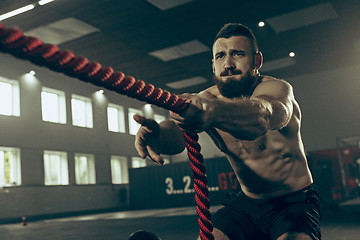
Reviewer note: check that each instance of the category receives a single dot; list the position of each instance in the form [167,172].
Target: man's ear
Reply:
[258,60]
[213,67]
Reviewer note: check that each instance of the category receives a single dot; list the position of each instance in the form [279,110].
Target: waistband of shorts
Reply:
[296,196]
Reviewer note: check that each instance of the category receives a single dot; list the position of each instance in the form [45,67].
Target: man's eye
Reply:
[219,56]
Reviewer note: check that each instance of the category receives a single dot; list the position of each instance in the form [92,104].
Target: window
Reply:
[53,105]
[9,97]
[85,169]
[119,170]
[133,126]
[56,168]
[116,118]
[159,118]
[81,111]
[137,162]
[10,171]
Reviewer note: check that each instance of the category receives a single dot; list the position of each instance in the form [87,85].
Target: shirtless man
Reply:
[255,121]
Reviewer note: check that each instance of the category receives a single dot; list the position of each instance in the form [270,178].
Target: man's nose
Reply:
[229,63]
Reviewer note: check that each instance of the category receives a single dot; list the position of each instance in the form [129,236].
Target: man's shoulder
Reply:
[272,82]
[273,87]
[213,90]
[266,79]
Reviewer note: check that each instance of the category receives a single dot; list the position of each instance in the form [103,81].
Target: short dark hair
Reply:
[238,29]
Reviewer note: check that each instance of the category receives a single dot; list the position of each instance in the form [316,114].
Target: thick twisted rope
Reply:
[17,44]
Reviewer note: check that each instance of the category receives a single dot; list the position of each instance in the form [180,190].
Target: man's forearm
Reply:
[245,118]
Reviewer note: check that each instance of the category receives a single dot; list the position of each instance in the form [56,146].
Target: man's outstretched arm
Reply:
[269,108]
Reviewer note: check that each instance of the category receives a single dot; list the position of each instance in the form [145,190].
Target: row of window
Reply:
[56,168]
[53,106]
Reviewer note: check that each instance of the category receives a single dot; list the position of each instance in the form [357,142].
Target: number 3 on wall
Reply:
[170,185]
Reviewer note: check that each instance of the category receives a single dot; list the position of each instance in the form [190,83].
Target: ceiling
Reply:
[130,29]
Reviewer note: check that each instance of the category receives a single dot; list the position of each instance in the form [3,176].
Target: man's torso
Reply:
[271,165]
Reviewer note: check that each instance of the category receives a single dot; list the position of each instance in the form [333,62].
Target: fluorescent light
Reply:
[17,11]
[43,2]
[61,31]
[278,64]
[303,17]
[187,82]
[179,51]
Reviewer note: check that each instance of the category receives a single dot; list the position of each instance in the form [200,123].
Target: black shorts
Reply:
[253,219]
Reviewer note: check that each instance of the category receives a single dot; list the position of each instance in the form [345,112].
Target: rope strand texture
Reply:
[13,41]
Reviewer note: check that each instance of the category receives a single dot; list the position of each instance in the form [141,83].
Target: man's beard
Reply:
[235,88]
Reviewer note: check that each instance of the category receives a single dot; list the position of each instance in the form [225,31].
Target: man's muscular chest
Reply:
[240,148]
[262,147]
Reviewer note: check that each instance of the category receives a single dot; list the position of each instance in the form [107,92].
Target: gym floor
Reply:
[169,224]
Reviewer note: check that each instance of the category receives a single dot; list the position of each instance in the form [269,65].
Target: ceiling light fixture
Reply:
[23,9]
[179,51]
[292,54]
[43,2]
[302,18]
[261,24]
[17,11]
[187,82]
[61,31]
[147,107]
[278,64]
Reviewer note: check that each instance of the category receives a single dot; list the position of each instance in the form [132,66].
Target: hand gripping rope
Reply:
[14,42]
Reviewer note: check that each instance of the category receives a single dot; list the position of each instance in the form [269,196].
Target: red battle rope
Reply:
[14,42]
